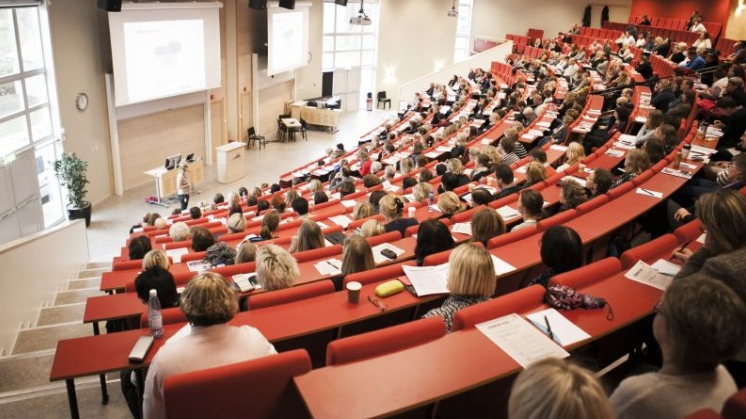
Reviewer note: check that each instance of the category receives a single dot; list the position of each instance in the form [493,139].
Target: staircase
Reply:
[25,389]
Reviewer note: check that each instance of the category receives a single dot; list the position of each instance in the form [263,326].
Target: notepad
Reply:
[463,228]
[666,268]
[348,203]
[614,153]
[329,267]
[379,258]
[645,274]
[677,173]
[176,254]
[321,225]
[341,220]
[501,267]
[557,147]
[648,192]
[508,213]
[246,282]
[198,266]
[428,280]
[564,331]
[520,340]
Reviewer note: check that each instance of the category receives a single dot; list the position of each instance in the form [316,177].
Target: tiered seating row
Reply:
[713,28]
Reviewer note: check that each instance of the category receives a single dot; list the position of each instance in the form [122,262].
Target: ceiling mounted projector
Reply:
[453,12]
[361,18]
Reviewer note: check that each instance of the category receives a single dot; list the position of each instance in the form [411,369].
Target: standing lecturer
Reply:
[183,185]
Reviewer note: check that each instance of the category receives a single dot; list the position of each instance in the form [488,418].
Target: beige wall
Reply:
[736,28]
[414,37]
[75,45]
[497,18]
[308,78]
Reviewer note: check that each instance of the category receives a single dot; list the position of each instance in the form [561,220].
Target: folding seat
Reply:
[437,258]
[656,22]
[288,295]
[588,274]
[269,381]
[511,237]
[384,341]
[643,177]
[649,252]
[193,256]
[321,252]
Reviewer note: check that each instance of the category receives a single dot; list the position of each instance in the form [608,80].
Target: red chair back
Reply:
[380,342]
[321,252]
[389,237]
[378,274]
[126,265]
[288,295]
[688,231]
[735,406]
[267,379]
[648,252]
[588,274]
[518,301]
[557,219]
[193,256]
[511,237]
[592,204]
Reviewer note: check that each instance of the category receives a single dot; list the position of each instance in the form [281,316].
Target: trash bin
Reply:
[369,102]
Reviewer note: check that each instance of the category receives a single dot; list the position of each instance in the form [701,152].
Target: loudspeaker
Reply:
[341,2]
[258,4]
[110,5]
[287,4]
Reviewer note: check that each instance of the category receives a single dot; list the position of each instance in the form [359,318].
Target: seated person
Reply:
[276,268]
[449,204]
[392,208]
[362,209]
[138,247]
[448,182]
[372,228]
[480,196]
[209,304]
[220,254]
[561,251]
[505,181]
[599,182]
[195,213]
[201,238]
[558,389]
[485,225]
[270,225]
[637,161]
[535,173]
[246,252]
[318,198]
[309,237]
[530,205]
[699,325]
[421,192]
[456,167]
[571,195]
[179,232]
[482,167]
[155,275]
[357,255]
[432,237]
[471,280]
[300,206]
[236,223]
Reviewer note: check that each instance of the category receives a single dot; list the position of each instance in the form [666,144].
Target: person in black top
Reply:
[644,21]
[392,209]
[505,181]
[644,67]
[432,237]
[139,247]
[561,251]
[734,123]
[663,95]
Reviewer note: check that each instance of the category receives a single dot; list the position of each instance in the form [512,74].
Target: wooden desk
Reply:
[165,180]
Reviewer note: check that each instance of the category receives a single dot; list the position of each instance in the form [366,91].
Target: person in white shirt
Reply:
[183,185]
[697,26]
[703,43]
[209,304]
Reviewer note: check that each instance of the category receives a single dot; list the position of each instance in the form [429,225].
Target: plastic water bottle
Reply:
[430,200]
[155,319]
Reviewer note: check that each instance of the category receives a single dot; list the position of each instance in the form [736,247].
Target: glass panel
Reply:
[368,58]
[11,98]
[462,26]
[369,42]
[36,90]
[41,124]
[348,43]
[49,187]
[8,48]
[343,18]
[329,12]
[462,43]
[327,61]
[459,55]
[347,59]
[328,44]
[30,34]
[13,135]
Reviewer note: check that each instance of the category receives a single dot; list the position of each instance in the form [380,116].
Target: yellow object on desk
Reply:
[389,288]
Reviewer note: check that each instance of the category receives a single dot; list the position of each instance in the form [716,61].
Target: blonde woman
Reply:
[449,204]
[276,268]
[357,255]
[362,209]
[236,223]
[556,389]
[315,185]
[246,252]
[309,237]
[471,280]
[209,304]
[372,228]
[234,200]
[405,166]
[574,154]
[637,161]
[421,192]
[290,196]
[485,225]
[392,208]
[270,224]
[535,173]
[179,232]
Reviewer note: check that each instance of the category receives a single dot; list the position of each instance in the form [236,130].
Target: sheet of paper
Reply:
[246,282]
[501,267]
[198,266]
[678,173]
[348,203]
[390,187]
[557,147]
[508,213]
[624,146]
[329,267]
[701,239]
[688,166]
[522,169]
[428,280]
[615,153]
[666,267]
[523,342]
[564,331]
[648,192]
[463,228]
[176,254]
[321,225]
[379,258]
[627,139]
[645,274]
[341,220]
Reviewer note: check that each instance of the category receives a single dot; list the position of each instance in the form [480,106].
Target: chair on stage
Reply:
[222,392]
[252,137]
[383,99]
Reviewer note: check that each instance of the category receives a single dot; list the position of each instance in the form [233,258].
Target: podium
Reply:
[230,162]
[165,180]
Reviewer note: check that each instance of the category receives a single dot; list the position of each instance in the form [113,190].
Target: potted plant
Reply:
[71,172]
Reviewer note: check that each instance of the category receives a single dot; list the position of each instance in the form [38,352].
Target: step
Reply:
[26,371]
[92,273]
[61,314]
[51,403]
[76,284]
[98,265]
[46,337]
[76,296]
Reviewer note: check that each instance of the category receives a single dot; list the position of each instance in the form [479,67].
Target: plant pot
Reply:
[80,213]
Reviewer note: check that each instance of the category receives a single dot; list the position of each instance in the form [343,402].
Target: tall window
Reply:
[347,46]
[26,110]
[463,31]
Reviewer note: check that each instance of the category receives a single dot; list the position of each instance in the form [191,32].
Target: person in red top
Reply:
[365,162]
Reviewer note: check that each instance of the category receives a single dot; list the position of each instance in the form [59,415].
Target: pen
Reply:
[680,249]
[647,191]
[331,264]
[549,328]
[376,302]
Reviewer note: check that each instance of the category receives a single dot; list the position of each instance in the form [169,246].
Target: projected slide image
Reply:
[288,40]
[164,58]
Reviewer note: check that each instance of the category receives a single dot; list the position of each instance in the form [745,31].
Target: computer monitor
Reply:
[173,161]
[190,157]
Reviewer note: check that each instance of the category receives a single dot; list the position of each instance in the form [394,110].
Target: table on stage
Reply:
[165,180]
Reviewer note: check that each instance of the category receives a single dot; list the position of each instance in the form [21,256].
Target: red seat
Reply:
[321,252]
[643,177]
[592,204]
[389,237]
[380,342]
[221,392]
[127,265]
[230,270]
[170,316]
[437,258]
[648,252]
[558,219]
[288,295]
[515,302]
[621,190]
[689,231]
[735,406]
[193,256]
[704,414]
[578,278]
[511,237]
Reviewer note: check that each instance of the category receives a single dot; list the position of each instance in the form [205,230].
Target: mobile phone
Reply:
[389,253]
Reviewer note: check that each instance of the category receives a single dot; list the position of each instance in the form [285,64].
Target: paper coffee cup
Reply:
[353,291]
[411,211]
